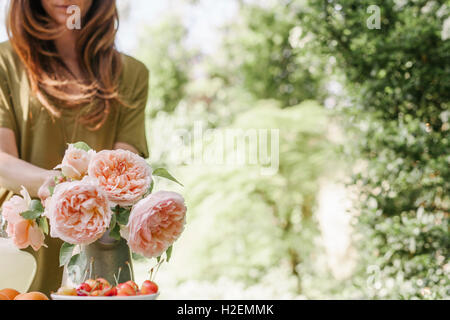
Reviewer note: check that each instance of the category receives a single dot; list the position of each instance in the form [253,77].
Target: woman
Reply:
[60,85]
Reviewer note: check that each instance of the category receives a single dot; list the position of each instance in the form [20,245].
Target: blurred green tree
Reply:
[400,77]
[248,224]
[267,53]
[163,50]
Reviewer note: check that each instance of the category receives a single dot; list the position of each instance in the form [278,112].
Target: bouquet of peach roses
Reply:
[98,192]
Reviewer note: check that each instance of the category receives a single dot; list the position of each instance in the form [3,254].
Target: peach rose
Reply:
[23,232]
[123,175]
[79,212]
[75,162]
[155,223]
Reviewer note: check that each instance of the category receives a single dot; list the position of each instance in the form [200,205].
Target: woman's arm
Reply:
[15,173]
[125,146]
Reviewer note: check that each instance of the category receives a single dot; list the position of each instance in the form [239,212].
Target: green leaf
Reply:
[31,215]
[35,211]
[51,190]
[36,205]
[122,216]
[152,184]
[82,146]
[43,224]
[65,253]
[138,257]
[112,224]
[115,232]
[163,173]
[169,253]
[77,267]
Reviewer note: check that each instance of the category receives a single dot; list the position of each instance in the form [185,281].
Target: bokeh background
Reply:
[359,207]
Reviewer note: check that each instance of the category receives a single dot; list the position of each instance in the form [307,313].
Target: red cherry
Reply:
[92,283]
[83,289]
[149,287]
[96,293]
[102,283]
[124,289]
[133,285]
[111,291]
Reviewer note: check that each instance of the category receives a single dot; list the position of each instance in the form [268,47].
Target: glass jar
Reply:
[109,258]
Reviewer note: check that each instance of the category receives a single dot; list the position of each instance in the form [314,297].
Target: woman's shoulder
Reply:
[6,49]
[133,69]
[134,79]
[10,64]
[7,54]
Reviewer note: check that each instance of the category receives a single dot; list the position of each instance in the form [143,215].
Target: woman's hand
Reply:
[14,172]
[125,146]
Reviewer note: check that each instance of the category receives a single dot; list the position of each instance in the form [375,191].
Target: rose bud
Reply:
[75,162]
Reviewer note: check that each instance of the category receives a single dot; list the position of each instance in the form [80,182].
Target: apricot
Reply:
[4,297]
[10,293]
[67,291]
[32,296]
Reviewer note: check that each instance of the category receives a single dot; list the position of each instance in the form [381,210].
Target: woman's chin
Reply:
[60,19]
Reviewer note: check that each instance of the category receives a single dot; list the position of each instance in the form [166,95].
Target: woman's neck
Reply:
[66,47]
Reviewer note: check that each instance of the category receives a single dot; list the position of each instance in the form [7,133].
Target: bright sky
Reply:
[201,19]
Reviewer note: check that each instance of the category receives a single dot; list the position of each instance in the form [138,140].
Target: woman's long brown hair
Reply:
[31,32]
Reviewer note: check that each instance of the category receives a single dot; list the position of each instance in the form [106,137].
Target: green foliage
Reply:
[65,253]
[401,76]
[82,146]
[35,210]
[77,266]
[264,221]
[43,224]
[267,53]
[122,214]
[245,226]
[163,173]
[163,50]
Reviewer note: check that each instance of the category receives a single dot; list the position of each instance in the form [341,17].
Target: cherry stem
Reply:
[129,268]
[118,276]
[91,266]
[157,267]
[151,274]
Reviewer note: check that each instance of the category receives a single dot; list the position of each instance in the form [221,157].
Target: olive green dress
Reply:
[42,140]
